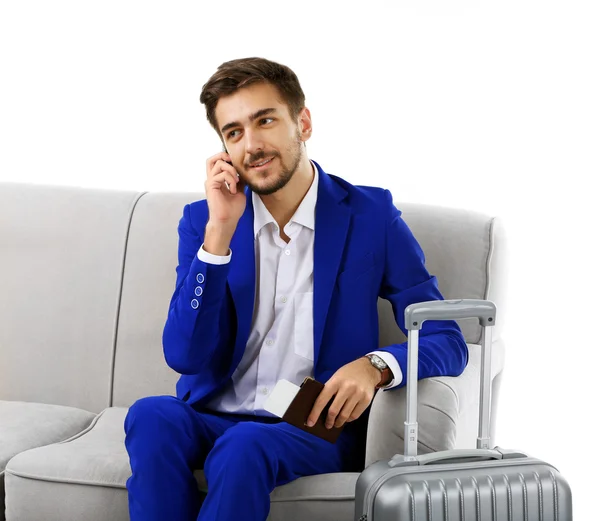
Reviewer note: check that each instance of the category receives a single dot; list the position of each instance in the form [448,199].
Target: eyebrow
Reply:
[252,117]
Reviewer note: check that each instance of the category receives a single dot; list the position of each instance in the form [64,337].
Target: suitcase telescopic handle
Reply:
[414,316]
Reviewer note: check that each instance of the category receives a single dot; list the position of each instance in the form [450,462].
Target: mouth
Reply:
[262,164]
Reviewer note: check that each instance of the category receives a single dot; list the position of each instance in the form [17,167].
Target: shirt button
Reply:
[287,252]
[198,291]
[195,304]
[284,299]
[269,342]
[265,390]
[200,278]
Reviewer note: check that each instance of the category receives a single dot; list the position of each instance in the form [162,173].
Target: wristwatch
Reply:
[386,372]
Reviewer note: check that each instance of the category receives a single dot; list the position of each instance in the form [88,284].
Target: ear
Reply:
[305,124]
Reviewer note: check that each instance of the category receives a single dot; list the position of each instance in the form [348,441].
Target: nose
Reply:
[254,144]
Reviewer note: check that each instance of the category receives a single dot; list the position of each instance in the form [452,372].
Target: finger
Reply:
[322,400]
[219,181]
[231,187]
[211,161]
[350,412]
[336,407]
[222,166]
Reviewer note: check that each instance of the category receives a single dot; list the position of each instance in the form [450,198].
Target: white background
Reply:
[491,106]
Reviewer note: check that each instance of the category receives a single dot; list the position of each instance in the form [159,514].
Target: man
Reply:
[280,269]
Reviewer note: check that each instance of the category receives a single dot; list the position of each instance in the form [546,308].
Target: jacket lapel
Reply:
[242,277]
[332,219]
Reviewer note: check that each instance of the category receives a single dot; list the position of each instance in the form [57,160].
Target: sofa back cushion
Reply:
[148,284]
[61,259]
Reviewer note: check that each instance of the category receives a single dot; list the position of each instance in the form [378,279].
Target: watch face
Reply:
[378,362]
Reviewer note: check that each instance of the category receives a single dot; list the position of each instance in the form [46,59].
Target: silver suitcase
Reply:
[481,484]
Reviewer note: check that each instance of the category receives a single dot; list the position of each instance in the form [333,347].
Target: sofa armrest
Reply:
[444,403]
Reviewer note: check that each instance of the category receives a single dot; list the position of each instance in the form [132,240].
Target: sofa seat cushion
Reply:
[25,425]
[96,463]
[324,497]
[97,456]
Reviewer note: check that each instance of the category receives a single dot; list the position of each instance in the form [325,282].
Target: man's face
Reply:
[270,134]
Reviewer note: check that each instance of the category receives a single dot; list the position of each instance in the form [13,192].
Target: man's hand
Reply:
[224,191]
[226,203]
[353,386]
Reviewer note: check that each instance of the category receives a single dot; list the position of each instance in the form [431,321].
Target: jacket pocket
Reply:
[303,325]
[357,268]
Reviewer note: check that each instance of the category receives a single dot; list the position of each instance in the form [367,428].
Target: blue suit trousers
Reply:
[244,458]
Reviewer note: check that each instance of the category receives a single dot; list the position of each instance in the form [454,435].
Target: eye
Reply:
[230,135]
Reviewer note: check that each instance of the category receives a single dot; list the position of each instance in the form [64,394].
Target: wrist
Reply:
[375,373]
[217,238]
[221,228]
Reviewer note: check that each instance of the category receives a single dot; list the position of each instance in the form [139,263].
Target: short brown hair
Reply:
[235,74]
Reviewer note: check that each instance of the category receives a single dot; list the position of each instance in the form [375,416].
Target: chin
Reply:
[268,186]
[265,184]
[265,189]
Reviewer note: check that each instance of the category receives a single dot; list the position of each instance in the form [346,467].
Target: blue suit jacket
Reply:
[363,250]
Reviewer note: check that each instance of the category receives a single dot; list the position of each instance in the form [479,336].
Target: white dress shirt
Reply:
[280,345]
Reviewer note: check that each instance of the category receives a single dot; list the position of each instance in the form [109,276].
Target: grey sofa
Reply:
[85,281]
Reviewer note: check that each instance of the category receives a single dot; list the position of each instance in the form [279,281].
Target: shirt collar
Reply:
[305,214]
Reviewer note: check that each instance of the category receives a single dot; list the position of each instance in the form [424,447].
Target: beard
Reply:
[287,169]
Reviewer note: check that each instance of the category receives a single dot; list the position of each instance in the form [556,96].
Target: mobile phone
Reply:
[240,184]
[226,183]
[225,150]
